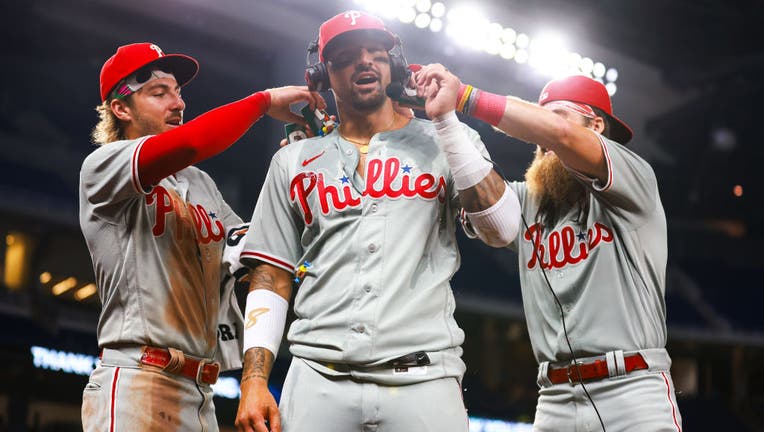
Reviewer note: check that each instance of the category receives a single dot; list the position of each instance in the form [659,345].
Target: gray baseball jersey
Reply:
[379,251]
[608,273]
[156,253]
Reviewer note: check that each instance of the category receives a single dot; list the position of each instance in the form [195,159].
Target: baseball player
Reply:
[364,218]
[594,233]
[156,227]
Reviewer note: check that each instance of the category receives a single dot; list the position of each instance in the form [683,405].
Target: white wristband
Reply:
[467,164]
[264,320]
[498,225]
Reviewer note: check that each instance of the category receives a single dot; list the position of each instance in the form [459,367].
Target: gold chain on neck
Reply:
[363,146]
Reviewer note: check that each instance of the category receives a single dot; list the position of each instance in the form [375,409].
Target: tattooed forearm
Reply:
[271,278]
[257,364]
[484,194]
[261,278]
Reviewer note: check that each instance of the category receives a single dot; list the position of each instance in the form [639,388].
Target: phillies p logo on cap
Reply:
[350,21]
[130,58]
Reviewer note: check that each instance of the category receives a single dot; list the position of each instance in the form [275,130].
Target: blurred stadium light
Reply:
[468,27]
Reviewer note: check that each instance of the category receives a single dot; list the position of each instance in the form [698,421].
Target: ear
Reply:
[598,124]
[121,109]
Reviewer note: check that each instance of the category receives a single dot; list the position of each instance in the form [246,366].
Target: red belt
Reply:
[592,371]
[201,371]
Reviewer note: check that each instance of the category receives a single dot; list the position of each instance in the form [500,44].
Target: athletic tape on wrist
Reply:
[264,320]
[498,225]
[468,166]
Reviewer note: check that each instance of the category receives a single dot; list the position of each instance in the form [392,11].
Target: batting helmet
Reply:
[582,89]
[130,58]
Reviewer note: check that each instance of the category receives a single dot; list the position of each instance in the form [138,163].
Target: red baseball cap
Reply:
[582,89]
[351,21]
[130,58]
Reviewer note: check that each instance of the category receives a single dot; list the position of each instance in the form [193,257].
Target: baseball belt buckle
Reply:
[200,371]
[569,372]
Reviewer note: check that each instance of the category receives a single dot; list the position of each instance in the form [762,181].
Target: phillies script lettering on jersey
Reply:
[425,185]
[564,246]
[171,203]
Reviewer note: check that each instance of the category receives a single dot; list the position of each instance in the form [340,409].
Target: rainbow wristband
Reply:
[465,93]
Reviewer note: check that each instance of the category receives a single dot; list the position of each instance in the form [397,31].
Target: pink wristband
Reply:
[489,107]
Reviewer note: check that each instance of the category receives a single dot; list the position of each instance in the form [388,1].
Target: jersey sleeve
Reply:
[631,188]
[109,177]
[277,226]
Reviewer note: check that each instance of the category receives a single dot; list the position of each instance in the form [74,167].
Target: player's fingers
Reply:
[320,99]
[283,142]
[426,71]
[259,426]
[244,425]
[316,101]
[275,421]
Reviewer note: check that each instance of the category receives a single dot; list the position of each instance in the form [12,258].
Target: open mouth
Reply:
[366,79]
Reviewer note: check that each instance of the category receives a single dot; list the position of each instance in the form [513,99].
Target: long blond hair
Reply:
[109,127]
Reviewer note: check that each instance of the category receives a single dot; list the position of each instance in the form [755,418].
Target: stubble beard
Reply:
[367,102]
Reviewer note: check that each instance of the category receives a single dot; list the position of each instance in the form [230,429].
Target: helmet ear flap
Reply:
[399,67]
[316,75]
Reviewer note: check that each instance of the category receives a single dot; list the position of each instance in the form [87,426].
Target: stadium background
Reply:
[688,81]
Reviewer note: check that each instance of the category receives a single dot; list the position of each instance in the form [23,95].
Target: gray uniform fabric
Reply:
[156,254]
[382,251]
[609,275]
[157,261]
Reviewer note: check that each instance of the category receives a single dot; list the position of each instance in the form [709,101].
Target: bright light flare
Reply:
[422,20]
[436,25]
[548,55]
[438,9]
[423,5]
[468,27]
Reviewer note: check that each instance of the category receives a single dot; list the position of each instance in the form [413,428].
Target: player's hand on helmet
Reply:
[258,411]
[283,97]
[438,87]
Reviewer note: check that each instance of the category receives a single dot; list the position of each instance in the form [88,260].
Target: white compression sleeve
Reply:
[467,164]
[264,320]
[498,225]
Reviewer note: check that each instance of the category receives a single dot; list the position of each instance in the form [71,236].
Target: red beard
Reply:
[554,188]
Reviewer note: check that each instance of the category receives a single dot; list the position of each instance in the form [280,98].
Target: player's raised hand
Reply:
[283,97]
[257,406]
[438,87]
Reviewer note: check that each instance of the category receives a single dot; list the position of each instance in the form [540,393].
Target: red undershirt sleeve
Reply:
[199,139]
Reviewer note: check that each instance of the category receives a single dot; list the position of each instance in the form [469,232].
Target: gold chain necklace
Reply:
[363,147]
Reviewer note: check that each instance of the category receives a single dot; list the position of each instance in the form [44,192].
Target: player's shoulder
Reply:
[109,151]
[627,153]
